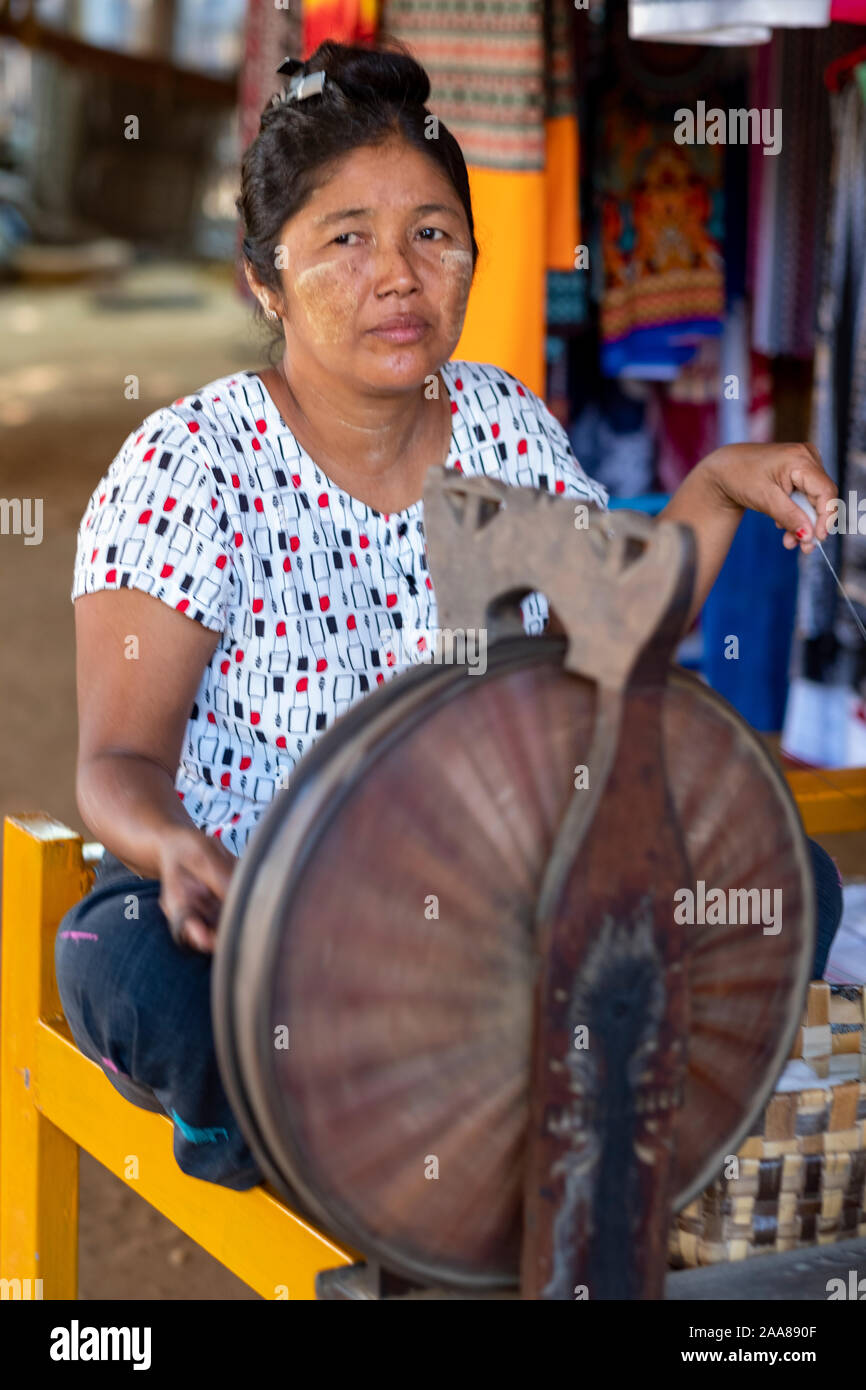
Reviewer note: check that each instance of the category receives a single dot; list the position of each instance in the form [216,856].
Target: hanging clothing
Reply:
[611,431]
[503,81]
[839,392]
[848,11]
[722,22]
[661,212]
[758,564]
[723,396]
[787,206]
[852,474]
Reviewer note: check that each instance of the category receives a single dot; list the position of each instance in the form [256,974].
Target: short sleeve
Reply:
[568,476]
[155,522]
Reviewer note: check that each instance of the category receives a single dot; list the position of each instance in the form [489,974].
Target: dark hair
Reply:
[372,93]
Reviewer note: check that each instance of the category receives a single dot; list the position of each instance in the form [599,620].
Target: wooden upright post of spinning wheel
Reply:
[517,1089]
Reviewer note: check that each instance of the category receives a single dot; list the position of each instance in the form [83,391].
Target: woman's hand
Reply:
[761,477]
[711,500]
[195,871]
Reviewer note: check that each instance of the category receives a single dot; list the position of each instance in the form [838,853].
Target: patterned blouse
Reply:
[212,506]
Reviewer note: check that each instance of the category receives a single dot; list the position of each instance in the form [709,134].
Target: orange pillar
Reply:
[525,224]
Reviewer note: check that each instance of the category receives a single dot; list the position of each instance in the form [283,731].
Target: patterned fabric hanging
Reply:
[661,207]
[502,76]
[839,394]
[787,207]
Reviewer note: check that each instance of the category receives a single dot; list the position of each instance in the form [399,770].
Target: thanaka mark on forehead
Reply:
[421,211]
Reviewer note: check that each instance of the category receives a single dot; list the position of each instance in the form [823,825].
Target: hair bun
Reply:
[391,74]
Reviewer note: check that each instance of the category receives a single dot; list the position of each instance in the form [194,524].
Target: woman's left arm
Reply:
[753,477]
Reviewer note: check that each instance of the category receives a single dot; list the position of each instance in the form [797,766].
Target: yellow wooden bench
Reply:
[54,1101]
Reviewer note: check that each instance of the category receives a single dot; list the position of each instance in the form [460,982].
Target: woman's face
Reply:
[377,269]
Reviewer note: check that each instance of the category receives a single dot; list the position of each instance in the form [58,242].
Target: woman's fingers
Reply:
[818,488]
[195,873]
[190,930]
[796,522]
[212,864]
[198,934]
[191,909]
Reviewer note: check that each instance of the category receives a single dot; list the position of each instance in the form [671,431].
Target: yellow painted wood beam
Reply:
[830,800]
[53,1100]
[43,875]
[253,1233]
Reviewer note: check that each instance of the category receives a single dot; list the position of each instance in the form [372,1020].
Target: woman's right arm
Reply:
[139,665]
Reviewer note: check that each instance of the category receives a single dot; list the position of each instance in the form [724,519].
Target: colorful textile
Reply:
[839,394]
[722,21]
[613,438]
[503,81]
[723,396]
[213,507]
[788,208]
[848,11]
[344,21]
[498,70]
[661,208]
[686,431]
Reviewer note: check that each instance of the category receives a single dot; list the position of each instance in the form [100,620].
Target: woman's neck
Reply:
[377,449]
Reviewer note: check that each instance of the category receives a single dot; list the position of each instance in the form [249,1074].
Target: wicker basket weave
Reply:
[832,1027]
[800,1177]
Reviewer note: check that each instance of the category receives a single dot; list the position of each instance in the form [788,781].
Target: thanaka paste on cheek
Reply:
[456,282]
[329,299]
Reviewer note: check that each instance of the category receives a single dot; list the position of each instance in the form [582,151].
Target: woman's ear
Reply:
[256,286]
[268,300]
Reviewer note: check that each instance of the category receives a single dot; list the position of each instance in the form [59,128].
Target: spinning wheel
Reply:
[456,1015]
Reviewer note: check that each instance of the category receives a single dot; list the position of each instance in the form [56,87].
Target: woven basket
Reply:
[834,1026]
[800,1177]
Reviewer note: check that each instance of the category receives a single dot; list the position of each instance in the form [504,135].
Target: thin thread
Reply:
[841,589]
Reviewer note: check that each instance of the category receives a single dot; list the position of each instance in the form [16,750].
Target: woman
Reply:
[276,516]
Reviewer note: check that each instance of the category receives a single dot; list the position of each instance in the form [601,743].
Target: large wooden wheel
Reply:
[377,989]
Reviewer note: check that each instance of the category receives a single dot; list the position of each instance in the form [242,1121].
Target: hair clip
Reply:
[303,84]
[290,66]
[309,84]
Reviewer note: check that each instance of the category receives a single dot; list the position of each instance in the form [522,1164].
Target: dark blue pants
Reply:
[139,1006]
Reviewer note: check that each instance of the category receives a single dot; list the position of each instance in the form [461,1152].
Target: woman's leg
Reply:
[139,1006]
[828,890]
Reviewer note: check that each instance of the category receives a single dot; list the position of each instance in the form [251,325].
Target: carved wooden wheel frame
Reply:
[507,1063]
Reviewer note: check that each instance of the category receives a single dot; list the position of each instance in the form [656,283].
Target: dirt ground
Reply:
[63,416]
